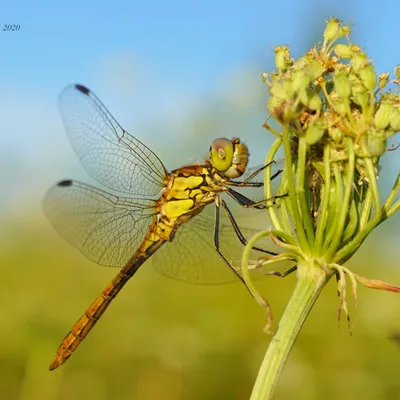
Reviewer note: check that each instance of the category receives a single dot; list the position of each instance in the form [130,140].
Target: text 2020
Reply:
[10,28]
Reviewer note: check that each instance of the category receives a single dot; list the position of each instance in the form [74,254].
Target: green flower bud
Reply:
[339,105]
[342,84]
[301,63]
[361,99]
[397,72]
[331,29]
[359,93]
[300,81]
[274,77]
[315,132]
[358,60]
[355,48]
[356,84]
[304,96]
[273,104]
[343,31]
[368,76]
[343,51]
[314,102]
[395,119]
[310,99]
[314,70]
[383,80]
[282,58]
[335,134]
[282,89]
[376,143]
[383,115]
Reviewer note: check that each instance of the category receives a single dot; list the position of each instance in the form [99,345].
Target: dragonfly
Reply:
[148,209]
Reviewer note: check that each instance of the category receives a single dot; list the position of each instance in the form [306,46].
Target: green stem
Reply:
[325,202]
[300,191]
[392,194]
[292,198]
[344,253]
[367,226]
[372,184]
[247,278]
[267,183]
[287,238]
[352,224]
[284,216]
[310,282]
[366,211]
[335,198]
[345,203]
[392,209]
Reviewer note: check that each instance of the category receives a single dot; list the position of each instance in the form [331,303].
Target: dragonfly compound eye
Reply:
[229,157]
[221,154]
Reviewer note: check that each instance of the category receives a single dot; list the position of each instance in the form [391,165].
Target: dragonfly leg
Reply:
[236,228]
[282,274]
[216,242]
[220,202]
[255,173]
[247,182]
[248,203]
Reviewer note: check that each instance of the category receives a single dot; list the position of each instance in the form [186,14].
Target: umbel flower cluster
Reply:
[335,118]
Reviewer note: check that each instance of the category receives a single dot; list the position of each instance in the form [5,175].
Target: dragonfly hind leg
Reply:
[282,274]
[236,228]
[216,242]
[239,234]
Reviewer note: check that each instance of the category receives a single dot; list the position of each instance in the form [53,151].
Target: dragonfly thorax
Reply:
[229,157]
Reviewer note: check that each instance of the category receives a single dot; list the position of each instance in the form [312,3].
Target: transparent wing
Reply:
[109,229]
[191,257]
[110,154]
[106,228]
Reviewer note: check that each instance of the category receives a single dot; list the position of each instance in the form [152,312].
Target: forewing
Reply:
[110,154]
[106,228]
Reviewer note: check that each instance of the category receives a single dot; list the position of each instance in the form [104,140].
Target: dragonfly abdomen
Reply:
[87,321]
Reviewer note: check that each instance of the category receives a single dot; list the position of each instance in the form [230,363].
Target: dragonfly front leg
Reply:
[247,182]
[248,203]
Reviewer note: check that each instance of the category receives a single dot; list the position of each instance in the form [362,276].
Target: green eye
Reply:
[221,154]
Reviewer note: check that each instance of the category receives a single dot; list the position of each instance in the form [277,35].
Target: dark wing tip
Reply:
[66,182]
[82,89]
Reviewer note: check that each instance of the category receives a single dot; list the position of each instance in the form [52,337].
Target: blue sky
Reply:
[159,66]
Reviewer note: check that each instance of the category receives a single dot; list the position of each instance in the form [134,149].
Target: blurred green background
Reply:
[176,76]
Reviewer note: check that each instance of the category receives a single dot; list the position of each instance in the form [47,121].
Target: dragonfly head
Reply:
[229,157]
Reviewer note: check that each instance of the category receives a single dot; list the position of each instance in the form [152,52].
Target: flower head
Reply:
[335,117]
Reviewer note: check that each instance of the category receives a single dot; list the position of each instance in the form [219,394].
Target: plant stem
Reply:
[267,183]
[325,203]
[292,198]
[301,193]
[343,214]
[311,279]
